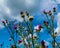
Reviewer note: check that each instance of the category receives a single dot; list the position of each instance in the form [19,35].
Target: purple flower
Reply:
[50,13]
[27,13]
[42,42]
[3,21]
[15,27]
[22,14]
[44,12]
[40,26]
[19,41]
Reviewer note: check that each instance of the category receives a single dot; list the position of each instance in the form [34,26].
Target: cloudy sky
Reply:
[10,9]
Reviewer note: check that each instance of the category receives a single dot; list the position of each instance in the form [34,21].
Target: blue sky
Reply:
[10,9]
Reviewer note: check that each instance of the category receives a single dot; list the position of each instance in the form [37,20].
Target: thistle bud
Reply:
[42,42]
[38,28]
[22,14]
[44,12]
[50,13]
[19,41]
[3,21]
[31,18]
[27,13]
[54,9]
[46,23]
[55,34]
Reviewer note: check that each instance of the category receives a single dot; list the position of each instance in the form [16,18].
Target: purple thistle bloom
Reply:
[15,27]
[40,26]
[42,42]
[44,12]
[19,41]
[3,21]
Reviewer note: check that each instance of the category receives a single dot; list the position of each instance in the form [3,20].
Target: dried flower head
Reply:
[8,23]
[19,41]
[34,36]
[46,23]
[50,13]
[40,26]
[22,14]
[44,12]
[4,22]
[55,34]
[54,9]
[31,18]
[27,13]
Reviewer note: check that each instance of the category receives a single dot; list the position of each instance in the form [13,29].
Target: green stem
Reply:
[52,17]
[31,33]
[29,46]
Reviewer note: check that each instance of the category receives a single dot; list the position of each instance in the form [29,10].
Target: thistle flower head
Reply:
[3,21]
[54,9]
[8,23]
[38,28]
[34,36]
[27,13]
[50,13]
[15,27]
[31,18]
[42,42]
[46,23]
[55,34]
[19,41]
[22,14]
[44,12]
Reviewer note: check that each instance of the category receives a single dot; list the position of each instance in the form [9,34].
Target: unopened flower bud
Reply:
[54,9]
[27,13]
[50,13]
[22,14]
[44,12]
[31,18]
[46,23]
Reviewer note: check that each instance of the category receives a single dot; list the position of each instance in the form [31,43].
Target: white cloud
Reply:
[30,2]
[11,9]
[58,1]
[1,2]
[47,5]
[7,10]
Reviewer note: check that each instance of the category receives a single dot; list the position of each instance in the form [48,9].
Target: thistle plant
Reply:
[50,25]
[25,30]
